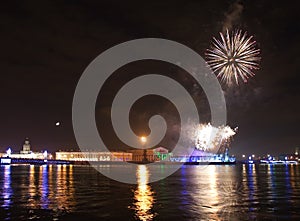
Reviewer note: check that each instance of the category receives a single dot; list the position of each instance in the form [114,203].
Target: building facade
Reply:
[93,156]
[26,153]
[152,155]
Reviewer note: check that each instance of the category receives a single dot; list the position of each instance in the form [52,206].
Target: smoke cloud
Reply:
[232,15]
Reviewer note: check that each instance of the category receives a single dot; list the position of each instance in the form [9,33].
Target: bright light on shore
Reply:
[143,139]
[8,152]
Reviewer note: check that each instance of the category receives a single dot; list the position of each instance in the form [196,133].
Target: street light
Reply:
[143,140]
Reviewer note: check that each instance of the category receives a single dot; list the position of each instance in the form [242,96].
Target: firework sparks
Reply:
[233,56]
[209,137]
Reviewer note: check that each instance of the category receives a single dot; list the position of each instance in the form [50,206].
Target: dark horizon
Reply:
[46,47]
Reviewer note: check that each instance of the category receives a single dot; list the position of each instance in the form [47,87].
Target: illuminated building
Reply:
[26,153]
[26,147]
[93,156]
[152,155]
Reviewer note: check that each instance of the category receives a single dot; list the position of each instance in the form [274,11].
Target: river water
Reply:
[213,192]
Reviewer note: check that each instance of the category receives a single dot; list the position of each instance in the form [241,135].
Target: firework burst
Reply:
[209,137]
[233,56]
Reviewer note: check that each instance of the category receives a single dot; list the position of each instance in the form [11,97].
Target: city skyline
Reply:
[46,49]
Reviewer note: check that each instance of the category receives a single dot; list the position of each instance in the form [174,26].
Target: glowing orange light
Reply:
[143,139]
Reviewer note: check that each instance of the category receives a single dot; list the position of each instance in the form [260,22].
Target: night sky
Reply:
[46,45]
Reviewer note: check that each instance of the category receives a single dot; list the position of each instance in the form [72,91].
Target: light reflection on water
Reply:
[206,194]
[212,190]
[240,192]
[35,188]
[143,195]
[6,191]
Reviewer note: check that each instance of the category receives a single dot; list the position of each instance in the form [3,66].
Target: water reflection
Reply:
[207,197]
[7,190]
[252,185]
[240,192]
[293,183]
[38,187]
[64,194]
[288,180]
[43,186]
[212,190]
[143,195]
[213,193]
[32,187]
